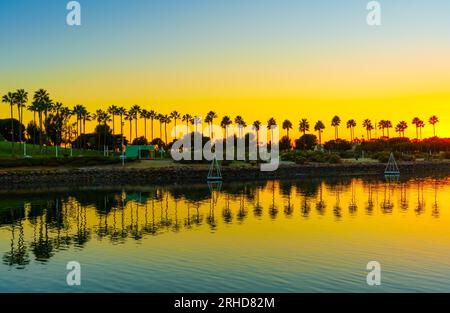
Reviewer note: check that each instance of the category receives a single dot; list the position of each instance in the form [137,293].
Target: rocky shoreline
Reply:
[184,175]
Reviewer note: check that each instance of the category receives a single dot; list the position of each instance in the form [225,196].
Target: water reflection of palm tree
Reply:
[337,206]
[58,224]
[353,207]
[187,221]
[242,213]
[273,211]
[17,256]
[167,221]
[257,209]
[198,217]
[176,226]
[320,204]
[43,247]
[420,207]
[67,239]
[210,218]
[226,213]
[123,231]
[102,229]
[114,234]
[286,190]
[82,236]
[134,225]
[386,205]
[435,213]
[305,207]
[403,197]
[370,205]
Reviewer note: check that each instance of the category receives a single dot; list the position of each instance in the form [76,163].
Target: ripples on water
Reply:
[309,235]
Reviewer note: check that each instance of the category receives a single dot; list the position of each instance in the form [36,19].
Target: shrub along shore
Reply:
[116,175]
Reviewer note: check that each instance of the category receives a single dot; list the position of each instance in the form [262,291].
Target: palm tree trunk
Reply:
[257,142]
[135,124]
[40,130]
[131,130]
[114,131]
[84,133]
[98,138]
[12,130]
[152,129]
[165,131]
[121,132]
[18,126]
[104,139]
[34,129]
[175,120]
[145,128]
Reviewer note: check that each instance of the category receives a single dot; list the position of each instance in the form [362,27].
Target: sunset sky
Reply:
[256,58]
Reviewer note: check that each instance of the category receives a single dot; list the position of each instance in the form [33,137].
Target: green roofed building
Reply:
[140,152]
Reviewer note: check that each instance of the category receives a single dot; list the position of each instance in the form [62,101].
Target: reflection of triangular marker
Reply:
[391,168]
[214,170]
[214,188]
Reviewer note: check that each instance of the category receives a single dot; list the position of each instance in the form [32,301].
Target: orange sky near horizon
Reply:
[258,59]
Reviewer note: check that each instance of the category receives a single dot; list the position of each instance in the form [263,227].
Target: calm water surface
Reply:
[276,236]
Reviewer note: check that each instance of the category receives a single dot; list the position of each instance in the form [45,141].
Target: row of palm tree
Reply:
[367,124]
[42,106]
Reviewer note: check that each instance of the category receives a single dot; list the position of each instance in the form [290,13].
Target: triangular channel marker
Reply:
[214,170]
[391,168]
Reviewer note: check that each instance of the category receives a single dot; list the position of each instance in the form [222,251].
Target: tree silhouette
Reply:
[304,125]
[367,124]
[166,120]
[129,116]
[433,120]
[287,125]
[113,110]
[401,127]
[9,99]
[226,121]
[351,124]
[210,116]
[135,110]
[335,122]
[417,121]
[43,104]
[257,126]
[387,125]
[145,116]
[21,99]
[319,127]
[241,124]
[271,123]
[121,111]
[187,118]
[175,116]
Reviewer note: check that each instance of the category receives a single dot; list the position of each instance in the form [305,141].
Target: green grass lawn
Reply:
[35,151]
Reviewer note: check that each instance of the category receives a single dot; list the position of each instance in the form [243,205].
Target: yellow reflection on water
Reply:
[302,225]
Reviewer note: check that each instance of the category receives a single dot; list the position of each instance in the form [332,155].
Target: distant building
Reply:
[140,152]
